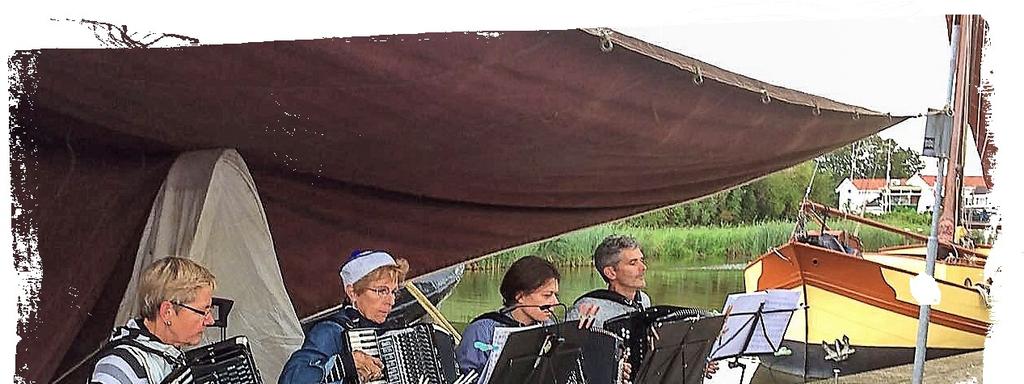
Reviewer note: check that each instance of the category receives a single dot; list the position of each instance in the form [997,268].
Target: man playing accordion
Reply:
[620,263]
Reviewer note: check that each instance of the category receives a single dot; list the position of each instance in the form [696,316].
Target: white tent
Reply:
[208,210]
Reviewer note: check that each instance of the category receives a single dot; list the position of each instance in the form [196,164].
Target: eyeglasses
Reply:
[199,312]
[383,291]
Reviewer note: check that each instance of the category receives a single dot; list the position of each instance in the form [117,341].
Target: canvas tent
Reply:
[208,210]
[438,147]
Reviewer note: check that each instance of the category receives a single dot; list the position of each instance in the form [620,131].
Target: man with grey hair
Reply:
[620,262]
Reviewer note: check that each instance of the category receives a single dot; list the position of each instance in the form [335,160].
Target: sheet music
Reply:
[740,323]
[776,323]
[497,342]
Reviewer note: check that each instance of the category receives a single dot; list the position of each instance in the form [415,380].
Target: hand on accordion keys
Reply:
[710,369]
[367,367]
[588,313]
[625,368]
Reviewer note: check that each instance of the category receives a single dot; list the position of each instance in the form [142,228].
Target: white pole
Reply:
[933,240]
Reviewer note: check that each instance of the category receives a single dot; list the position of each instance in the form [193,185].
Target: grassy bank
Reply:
[692,246]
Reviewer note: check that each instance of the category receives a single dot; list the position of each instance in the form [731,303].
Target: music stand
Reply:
[679,352]
[555,354]
[221,307]
[755,323]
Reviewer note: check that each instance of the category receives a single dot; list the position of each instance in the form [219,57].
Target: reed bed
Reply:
[698,246]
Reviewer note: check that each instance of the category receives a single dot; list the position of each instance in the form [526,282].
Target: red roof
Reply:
[972,181]
[868,184]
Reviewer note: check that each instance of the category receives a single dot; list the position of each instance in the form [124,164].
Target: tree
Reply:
[773,197]
[871,157]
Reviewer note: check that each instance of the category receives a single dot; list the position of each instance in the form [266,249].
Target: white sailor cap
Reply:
[361,263]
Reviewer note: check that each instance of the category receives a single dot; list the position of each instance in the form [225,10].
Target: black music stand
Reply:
[755,324]
[641,326]
[556,354]
[680,351]
[221,308]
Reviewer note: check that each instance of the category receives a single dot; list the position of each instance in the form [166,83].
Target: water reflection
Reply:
[667,283]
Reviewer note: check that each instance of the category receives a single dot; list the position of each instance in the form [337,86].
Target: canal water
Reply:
[667,283]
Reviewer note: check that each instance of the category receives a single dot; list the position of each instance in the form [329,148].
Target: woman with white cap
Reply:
[370,279]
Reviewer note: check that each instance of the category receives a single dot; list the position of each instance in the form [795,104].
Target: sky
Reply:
[886,55]
[898,65]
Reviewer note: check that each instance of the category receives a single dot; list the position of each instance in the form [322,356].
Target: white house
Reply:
[876,196]
[975,192]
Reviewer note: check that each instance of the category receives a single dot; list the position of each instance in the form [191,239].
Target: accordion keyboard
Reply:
[409,354]
[226,362]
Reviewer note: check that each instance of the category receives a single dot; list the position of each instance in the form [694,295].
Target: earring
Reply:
[167,323]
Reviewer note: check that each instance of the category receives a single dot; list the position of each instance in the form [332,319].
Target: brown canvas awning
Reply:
[441,148]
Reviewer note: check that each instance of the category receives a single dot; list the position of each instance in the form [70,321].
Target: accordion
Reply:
[638,329]
[229,362]
[422,353]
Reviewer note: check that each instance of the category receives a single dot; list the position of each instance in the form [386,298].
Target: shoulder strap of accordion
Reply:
[172,360]
[498,317]
[606,294]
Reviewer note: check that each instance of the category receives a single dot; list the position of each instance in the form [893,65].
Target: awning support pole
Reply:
[933,240]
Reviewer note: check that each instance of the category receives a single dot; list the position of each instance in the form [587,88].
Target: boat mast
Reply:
[953,183]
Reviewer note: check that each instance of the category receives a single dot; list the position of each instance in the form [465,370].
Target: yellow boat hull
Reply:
[865,303]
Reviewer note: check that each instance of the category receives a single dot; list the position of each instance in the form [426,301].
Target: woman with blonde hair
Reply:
[175,300]
[370,280]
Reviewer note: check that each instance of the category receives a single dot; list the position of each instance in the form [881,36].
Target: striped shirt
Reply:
[135,356]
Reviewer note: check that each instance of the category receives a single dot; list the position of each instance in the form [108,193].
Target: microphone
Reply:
[543,307]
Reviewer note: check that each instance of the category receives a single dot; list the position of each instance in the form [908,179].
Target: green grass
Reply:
[691,246]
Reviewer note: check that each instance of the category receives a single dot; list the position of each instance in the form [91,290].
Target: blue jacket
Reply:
[474,348]
[325,349]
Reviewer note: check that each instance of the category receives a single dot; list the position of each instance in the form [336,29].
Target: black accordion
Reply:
[228,362]
[411,355]
[638,330]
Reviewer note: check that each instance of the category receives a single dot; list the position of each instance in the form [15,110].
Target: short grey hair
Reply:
[609,252]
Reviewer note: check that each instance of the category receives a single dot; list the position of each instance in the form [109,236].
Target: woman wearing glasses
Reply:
[175,299]
[370,279]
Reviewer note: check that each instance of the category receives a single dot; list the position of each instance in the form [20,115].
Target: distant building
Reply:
[918,192]
[876,196]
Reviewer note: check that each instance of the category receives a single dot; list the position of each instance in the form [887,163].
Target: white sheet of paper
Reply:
[733,340]
[498,341]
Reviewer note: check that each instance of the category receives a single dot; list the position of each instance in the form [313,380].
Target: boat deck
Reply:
[965,368]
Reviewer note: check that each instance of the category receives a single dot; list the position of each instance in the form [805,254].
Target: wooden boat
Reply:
[955,264]
[967,270]
[859,314]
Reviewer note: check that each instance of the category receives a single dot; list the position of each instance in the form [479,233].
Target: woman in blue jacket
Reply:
[370,279]
[529,283]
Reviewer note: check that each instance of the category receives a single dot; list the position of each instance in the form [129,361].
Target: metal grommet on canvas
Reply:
[606,40]
[698,77]
[765,98]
